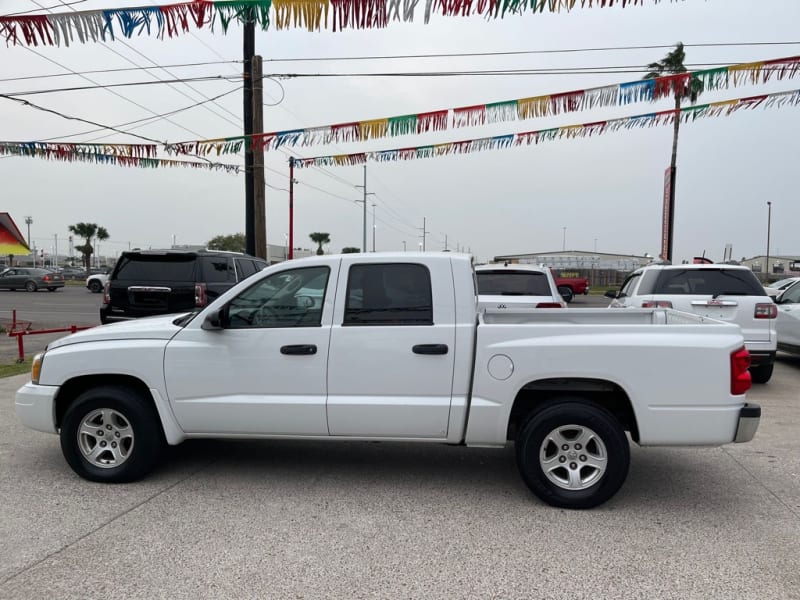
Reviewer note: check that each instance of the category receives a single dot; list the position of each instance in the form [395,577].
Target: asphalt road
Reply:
[70,305]
[287,519]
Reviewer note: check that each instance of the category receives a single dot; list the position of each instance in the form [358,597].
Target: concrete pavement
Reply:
[283,519]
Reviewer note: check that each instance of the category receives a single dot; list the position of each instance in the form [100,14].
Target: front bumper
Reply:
[749,418]
[35,406]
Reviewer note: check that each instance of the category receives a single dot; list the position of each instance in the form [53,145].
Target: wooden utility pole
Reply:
[249,46]
[259,200]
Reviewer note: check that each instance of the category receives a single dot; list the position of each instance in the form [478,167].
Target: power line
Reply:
[525,52]
[33,10]
[120,70]
[126,84]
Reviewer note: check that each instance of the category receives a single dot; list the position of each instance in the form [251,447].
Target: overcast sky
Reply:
[606,191]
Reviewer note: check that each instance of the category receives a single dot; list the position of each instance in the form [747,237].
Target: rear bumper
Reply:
[760,358]
[749,419]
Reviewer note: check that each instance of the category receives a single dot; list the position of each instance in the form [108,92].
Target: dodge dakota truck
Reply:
[393,347]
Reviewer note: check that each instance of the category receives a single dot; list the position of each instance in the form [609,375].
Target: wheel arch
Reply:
[71,389]
[535,395]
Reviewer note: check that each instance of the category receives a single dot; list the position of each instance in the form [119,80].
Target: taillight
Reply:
[107,292]
[200,294]
[740,376]
[766,310]
[656,304]
[549,305]
[46,278]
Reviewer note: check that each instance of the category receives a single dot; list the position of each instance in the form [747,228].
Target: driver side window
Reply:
[291,298]
[791,296]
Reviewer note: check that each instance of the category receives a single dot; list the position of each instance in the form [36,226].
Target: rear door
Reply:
[153,283]
[392,352]
[719,293]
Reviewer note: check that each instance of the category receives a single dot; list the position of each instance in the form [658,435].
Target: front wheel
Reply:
[762,373]
[111,434]
[573,454]
[30,286]
[95,286]
[566,294]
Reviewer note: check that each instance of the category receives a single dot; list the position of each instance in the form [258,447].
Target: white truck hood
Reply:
[148,328]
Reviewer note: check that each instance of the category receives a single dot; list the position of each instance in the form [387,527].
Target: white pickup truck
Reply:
[392,347]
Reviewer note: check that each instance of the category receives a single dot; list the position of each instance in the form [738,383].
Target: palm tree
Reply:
[691,88]
[88,231]
[320,238]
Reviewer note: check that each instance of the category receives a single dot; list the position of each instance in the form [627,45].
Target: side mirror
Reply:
[610,294]
[214,320]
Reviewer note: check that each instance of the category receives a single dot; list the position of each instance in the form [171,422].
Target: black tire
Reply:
[129,409]
[31,286]
[95,286]
[580,415]
[761,373]
[566,294]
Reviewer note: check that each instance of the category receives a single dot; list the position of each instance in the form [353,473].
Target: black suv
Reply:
[157,282]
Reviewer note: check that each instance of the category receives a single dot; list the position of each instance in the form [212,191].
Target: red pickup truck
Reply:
[569,284]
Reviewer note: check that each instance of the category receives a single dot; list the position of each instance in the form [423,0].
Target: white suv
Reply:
[516,286]
[724,292]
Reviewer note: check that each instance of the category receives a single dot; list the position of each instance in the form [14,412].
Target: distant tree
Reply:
[88,231]
[350,250]
[319,239]
[235,242]
[673,64]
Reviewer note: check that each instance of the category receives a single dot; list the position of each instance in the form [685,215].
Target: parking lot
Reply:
[279,519]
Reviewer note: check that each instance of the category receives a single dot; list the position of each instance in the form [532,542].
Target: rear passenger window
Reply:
[388,294]
[218,269]
[245,268]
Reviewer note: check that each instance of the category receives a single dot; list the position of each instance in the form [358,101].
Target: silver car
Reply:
[31,280]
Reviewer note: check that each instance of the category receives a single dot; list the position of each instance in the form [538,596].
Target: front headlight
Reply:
[36,368]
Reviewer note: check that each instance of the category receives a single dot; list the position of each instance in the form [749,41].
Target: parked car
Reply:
[396,351]
[156,282]
[97,281]
[506,285]
[724,292]
[775,289]
[31,280]
[569,285]
[788,324]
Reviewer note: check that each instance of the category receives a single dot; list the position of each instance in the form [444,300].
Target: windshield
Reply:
[513,283]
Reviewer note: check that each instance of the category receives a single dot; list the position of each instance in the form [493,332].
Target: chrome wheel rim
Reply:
[573,457]
[105,438]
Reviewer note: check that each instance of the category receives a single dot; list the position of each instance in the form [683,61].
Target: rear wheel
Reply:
[31,286]
[566,294]
[761,373]
[573,454]
[111,434]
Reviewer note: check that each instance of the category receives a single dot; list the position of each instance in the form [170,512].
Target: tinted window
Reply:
[287,299]
[513,283]
[218,269]
[737,282]
[245,268]
[142,267]
[630,283]
[791,295]
[394,294]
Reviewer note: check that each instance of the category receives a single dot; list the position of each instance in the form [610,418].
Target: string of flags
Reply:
[123,155]
[622,94]
[666,117]
[55,29]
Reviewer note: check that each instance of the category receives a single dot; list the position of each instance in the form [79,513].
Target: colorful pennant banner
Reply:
[123,155]
[666,117]
[621,94]
[104,25]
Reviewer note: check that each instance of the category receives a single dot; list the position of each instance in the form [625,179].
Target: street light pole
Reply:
[564,240]
[373,227]
[769,223]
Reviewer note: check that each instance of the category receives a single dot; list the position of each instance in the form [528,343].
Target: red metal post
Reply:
[20,349]
[291,208]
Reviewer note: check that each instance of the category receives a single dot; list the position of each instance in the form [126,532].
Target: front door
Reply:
[390,371]
[264,371]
